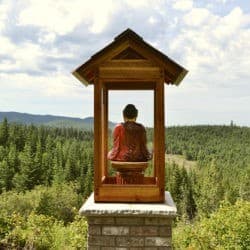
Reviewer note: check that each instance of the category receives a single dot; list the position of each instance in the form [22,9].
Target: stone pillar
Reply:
[132,226]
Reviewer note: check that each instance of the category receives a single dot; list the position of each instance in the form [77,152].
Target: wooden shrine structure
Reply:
[128,63]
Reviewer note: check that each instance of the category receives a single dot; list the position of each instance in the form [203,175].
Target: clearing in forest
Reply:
[180,161]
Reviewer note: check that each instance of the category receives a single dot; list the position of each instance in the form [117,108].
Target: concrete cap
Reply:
[91,208]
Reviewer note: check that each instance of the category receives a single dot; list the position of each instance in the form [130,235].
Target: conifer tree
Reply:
[4,132]
[26,178]
[88,182]
[6,176]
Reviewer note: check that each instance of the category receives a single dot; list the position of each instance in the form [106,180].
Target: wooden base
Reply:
[130,193]
[129,177]
[129,172]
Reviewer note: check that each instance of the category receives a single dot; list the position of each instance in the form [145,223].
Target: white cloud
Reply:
[140,3]
[214,46]
[56,94]
[20,58]
[231,23]
[47,37]
[197,17]
[183,5]
[53,86]
[4,8]
[152,20]
[62,17]
[35,61]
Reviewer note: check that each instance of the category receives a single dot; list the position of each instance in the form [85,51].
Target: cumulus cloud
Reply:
[42,41]
[197,17]
[183,5]
[54,94]
[214,44]
[4,9]
[62,17]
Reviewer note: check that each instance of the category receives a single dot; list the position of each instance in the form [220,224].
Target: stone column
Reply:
[132,226]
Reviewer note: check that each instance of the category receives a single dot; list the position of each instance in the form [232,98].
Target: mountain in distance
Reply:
[51,120]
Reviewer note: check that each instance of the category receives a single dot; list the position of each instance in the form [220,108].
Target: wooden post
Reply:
[97,135]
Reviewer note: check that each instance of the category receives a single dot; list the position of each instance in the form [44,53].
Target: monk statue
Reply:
[129,139]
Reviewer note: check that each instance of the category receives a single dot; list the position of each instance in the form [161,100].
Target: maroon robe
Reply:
[129,143]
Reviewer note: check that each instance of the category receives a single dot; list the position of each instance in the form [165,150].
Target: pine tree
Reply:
[38,168]
[6,176]
[12,158]
[26,178]
[88,183]
[4,132]
[58,170]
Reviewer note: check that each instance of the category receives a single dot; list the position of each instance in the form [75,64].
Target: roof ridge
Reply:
[128,32]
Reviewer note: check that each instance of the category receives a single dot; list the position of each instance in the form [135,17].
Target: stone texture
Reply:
[165,231]
[101,241]
[129,241]
[151,221]
[157,241]
[115,230]
[144,230]
[94,248]
[165,221]
[101,220]
[114,248]
[94,229]
[135,227]
[130,220]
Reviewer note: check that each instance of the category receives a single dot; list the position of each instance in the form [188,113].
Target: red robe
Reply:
[129,143]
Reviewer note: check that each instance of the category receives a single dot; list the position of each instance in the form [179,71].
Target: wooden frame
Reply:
[152,190]
[128,63]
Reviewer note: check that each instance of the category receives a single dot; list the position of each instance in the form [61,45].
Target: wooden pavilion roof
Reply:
[129,47]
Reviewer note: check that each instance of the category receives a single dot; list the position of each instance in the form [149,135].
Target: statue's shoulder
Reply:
[140,125]
[118,126]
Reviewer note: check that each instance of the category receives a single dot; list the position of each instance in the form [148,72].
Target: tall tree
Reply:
[6,176]
[26,178]
[4,132]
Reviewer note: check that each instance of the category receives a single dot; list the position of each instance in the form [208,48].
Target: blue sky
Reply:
[41,42]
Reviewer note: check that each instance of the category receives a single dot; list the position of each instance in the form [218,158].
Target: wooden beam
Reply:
[128,63]
[129,193]
[112,84]
[131,72]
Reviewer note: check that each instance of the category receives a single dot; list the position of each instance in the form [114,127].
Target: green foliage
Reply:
[45,171]
[31,156]
[228,228]
[223,158]
[4,132]
[181,183]
[43,232]
[59,201]
[43,218]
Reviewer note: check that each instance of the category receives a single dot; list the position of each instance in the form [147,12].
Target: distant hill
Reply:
[50,120]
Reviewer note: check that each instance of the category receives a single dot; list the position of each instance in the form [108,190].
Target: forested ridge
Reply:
[46,173]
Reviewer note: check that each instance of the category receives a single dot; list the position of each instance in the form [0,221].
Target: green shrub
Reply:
[44,232]
[59,201]
[73,236]
[22,203]
[228,228]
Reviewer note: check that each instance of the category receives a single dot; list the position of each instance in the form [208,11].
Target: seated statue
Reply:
[129,139]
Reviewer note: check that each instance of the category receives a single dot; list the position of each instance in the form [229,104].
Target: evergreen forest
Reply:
[46,173]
